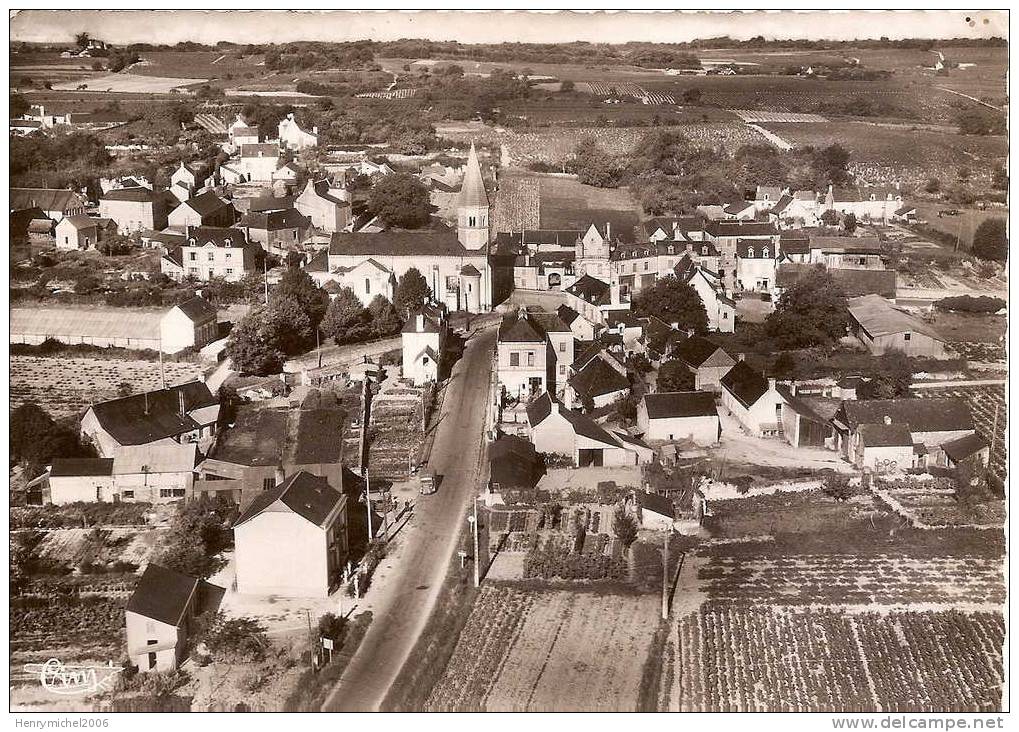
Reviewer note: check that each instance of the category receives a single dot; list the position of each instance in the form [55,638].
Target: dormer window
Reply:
[764,253]
[704,251]
[226,243]
[750,252]
[671,250]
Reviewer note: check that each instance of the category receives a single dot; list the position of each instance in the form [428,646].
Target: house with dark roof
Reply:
[679,415]
[905,214]
[161,615]
[721,308]
[205,209]
[932,423]
[593,298]
[554,429]
[79,479]
[514,464]
[55,202]
[211,252]
[583,329]
[598,382]
[882,327]
[753,400]
[188,178]
[653,512]
[326,209]
[137,208]
[659,339]
[534,352]
[190,324]
[706,360]
[806,415]
[728,236]
[292,539]
[183,413]
[278,232]
[31,225]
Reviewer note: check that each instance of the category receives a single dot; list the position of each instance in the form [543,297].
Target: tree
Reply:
[981,122]
[674,301]
[890,378]
[36,438]
[346,320]
[624,526]
[849,222]
[692,97]
[566,86]
[830,217]
[999,179]
[933,185]
[235,640]
[990,240]
[383,318]
[638,363]
[595,167]
[332,626]
[812,312]
[298,285]
[289,326]
[81,39]
[674,375]
[412,291]
[198,532]
[836,485]
[252,346]
[125,388]
[401,201]
[831,163]
[784,366]
[19,105]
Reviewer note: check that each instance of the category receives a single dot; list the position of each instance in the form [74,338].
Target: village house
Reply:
[190,324]
[258,162]
[278,232]
[135,209]
[205,209]
[679,415]
[187,179]
[292,137]
[707,361]
[905,215]
[55,202]
[312,515]
[240,133]
[554,429]
[582,328]
[216,252]
[753,400]
[600,381]
[160,617]
[806,415]
[514,464]
[686,229]
[734,241]
[326,209]
[534,353]
[659,339]
[867,204]
[882,328]
[178,414]
[422,340]
[77,232]
[144,473]
[721,308]
[31,225]
[86,480]
[652,511]
[931,423]
[368,280]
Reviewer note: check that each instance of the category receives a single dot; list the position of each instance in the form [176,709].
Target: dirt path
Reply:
[972,99]
[738,447]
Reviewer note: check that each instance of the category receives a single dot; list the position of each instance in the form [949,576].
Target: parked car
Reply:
[429,483]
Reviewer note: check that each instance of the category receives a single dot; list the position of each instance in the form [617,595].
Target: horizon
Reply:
[122,27]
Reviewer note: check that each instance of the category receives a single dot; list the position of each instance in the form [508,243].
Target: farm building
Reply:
[969,448]
[80,479]
[292,137]
[855,282]
[189,324]
[312,515]
[178,414]
[56,203]
[32,225]
[932,423]
[705,360]
[600,381]
[679,415]
[885,448]
[653,512]
[555,429]
[753,400]
[325,209]
[806,418]
[513,464]
[77,232]
[161,614]
[882,328]
[142,473]
[136,209]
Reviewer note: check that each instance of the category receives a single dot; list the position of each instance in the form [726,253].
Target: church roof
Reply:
[473,193]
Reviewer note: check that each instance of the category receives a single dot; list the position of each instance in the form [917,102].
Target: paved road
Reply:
[400,615]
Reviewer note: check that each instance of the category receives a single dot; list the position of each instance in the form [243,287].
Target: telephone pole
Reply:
[665,576]
[477,546]
[368,501]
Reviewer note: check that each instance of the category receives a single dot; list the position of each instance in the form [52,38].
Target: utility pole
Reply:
[368,501]
[318,347]
[265,280]
[665,576]
[162,374]
[477,545]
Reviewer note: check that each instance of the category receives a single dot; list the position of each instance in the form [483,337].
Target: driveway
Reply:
[409,588]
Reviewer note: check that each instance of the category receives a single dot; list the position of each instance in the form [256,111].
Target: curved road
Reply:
[400,615]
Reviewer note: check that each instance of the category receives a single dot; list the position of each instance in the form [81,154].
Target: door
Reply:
[152,660]
[589,457]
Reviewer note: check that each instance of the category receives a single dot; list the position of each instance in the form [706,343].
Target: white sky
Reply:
[171,26]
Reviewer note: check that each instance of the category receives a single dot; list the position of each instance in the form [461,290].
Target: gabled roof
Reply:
[550,323]
[740,228]
[744,247]
[795,241]
[428,325]
[697,349]
[655,503]
[904,210]
[855,282]
[198,310]
[877,317]
[169,458]
[591,290]
[669,404]
[163,595]
[946,414]
[75,467]
[886,435]
[472,192]
[959,449]
[145,417]
[587,427]
[138,195]
[260,150]
[436,240]
[513,462]
[596,378]
[269,203]
[782,205]
[539,409]
[744,383]
[217,236]
[567,314]
[309,496]
[520,328]
[80,221]
[48,199]
[289,218]
[469,270]
[205,204]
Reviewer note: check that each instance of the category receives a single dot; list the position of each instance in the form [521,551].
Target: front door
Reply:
[152,660]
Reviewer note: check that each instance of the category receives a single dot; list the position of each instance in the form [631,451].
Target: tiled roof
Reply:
[74,467]
[139,418]
[198,309]
[260,150]
[538,409]
[591,290]
[205,204]
[217,236]
[289,218]
[520,328]
[922,415]
[309,496]
[669,404]
[162,595]
[740,228]
[80,221]
[437,240]
[695,350]
[878,317]
[655,503]
[48,199]
[567,314]
[885,435]
[138,195]
[745,384]
[963,447]
[597,378]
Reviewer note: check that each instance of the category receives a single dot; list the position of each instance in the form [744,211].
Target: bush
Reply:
[836,485]
[970,304]
[624,526]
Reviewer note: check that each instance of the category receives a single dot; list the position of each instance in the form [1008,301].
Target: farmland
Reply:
[128,84]
[65,387]
[525,650]
[962,226]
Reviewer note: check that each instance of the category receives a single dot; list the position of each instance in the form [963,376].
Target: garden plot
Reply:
[67,386]
[99,546]
[743,658]
[549,651]
[395,434]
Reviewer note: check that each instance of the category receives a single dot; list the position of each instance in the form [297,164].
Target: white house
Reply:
[422,341]
[753,400]
[556,430]
[77,232]
[679,415]
[258,162]
[720,307]
[154,473]
[367,279]
[325,209]
[534,353]
[186,179]
[292,137]
[86,480]
[190,324]
[160,617]
[292,539]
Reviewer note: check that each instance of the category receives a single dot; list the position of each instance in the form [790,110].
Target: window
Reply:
[530,358]
[672,249]
[367,286]
[193,270]
[171,492]
[193,256]
[750,252]
[228,255]
[704,251]
[229,271]
[212,256]
[725,315]
[128,494]
[646,265]
[562,346]
[906,336]
[268,483]
[562,369]
[764,252]
[471,221]
[514,359]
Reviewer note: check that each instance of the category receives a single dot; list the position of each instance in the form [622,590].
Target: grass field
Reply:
[962,226]
[129,84]
[535,650]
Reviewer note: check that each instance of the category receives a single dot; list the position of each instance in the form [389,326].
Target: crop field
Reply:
[128,84]
[66,386]
[525,650]
[395,435]
[75,546]
[990,415]
[882,154]
[753,658]
[962,226]
[750,115]
[201,64]
[940,508]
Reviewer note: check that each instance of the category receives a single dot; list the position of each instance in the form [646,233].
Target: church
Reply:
[454,263]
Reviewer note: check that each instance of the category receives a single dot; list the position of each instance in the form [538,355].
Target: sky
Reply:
[172,26]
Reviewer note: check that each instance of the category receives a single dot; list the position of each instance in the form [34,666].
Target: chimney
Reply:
[180,402]
[741,357]
[420,323]
[280,474]
[888,420]
[771,384]
[608,230]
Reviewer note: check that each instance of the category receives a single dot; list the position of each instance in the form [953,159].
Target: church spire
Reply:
[472,193]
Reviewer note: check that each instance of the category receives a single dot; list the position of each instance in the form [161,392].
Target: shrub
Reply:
[836,485]
[624,526]
[970,304]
